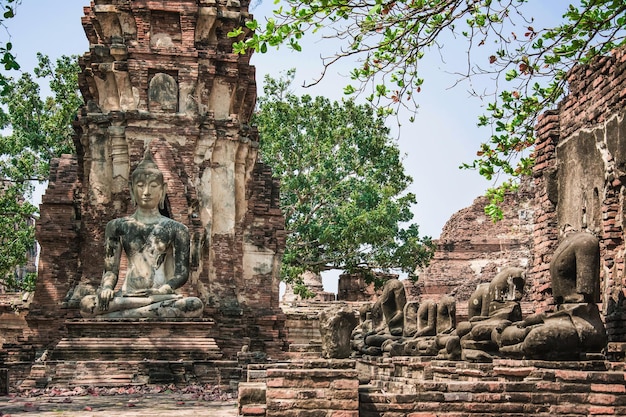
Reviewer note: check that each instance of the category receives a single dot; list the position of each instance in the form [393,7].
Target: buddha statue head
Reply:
[147,184]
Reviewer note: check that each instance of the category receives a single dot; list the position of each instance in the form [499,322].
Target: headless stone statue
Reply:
[575,328]
[422,343]
[435,323]
[387,318]
[157,250]
[478,303]
[480,335]
[575,269]
[446,340]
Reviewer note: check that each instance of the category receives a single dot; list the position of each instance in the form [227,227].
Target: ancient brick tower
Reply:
[163,73]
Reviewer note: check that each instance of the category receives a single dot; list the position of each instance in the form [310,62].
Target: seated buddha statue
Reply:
[157,252]
[500,300]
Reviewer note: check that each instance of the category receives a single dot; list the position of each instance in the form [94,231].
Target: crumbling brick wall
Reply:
[472,248]
[579,177]
[59,264]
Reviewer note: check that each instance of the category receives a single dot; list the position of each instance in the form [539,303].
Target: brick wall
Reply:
[59,264]
[315,388]
[421,387]
[579,179]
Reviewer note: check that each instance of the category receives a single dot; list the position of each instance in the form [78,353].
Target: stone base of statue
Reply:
[162,339]
[120,352]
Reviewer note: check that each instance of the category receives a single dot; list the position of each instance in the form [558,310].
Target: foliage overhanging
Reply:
[388,38]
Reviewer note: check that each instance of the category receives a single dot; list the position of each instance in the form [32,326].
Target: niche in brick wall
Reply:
[163,91]
[165,29]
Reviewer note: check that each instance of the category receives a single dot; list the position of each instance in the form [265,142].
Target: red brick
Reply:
[602,399]
[343,413]
[252,410]
[596,410]
[347,384]
[612,388]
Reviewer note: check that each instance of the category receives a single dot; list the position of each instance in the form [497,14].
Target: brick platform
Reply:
[421,387]
[125,352]
[502,388]
[120,373]
[137,340]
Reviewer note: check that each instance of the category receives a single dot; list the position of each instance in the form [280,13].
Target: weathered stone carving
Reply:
[157,251]
[387,318]
[446,341]
[575,269]
[435,325]
[364,328]
[163,93]
[422,342]
[427,319]
[575,328]
[336,326]
[480,335]
[478,303]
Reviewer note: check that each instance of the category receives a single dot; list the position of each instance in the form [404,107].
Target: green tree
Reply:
[388,38]
[343,186]
[17,236]
[35,130]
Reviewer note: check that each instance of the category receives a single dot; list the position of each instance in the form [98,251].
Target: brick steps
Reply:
[111,348]
[504,388]
[119,373]
[114,353]
[305,351]
[251,399]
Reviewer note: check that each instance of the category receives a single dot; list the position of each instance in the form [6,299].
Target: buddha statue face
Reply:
[148,191]
[148,187]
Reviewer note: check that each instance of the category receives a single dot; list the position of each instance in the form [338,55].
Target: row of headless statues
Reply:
[495,326]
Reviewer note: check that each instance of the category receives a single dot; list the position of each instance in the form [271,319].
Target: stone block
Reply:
[252,392]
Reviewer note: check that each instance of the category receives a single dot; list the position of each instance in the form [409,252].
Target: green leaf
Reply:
[37,129]
[511,75]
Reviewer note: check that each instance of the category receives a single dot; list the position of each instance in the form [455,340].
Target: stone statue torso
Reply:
[149,249]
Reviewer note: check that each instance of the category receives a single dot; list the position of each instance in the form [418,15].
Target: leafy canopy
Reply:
[343,186]
[17,236]
[34,130]
[388,38]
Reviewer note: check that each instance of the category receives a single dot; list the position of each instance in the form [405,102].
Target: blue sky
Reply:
[443,136]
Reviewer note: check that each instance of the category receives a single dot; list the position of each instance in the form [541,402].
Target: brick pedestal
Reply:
[415,387]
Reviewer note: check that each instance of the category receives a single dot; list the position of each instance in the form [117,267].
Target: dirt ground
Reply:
[127,404]
[157,405]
